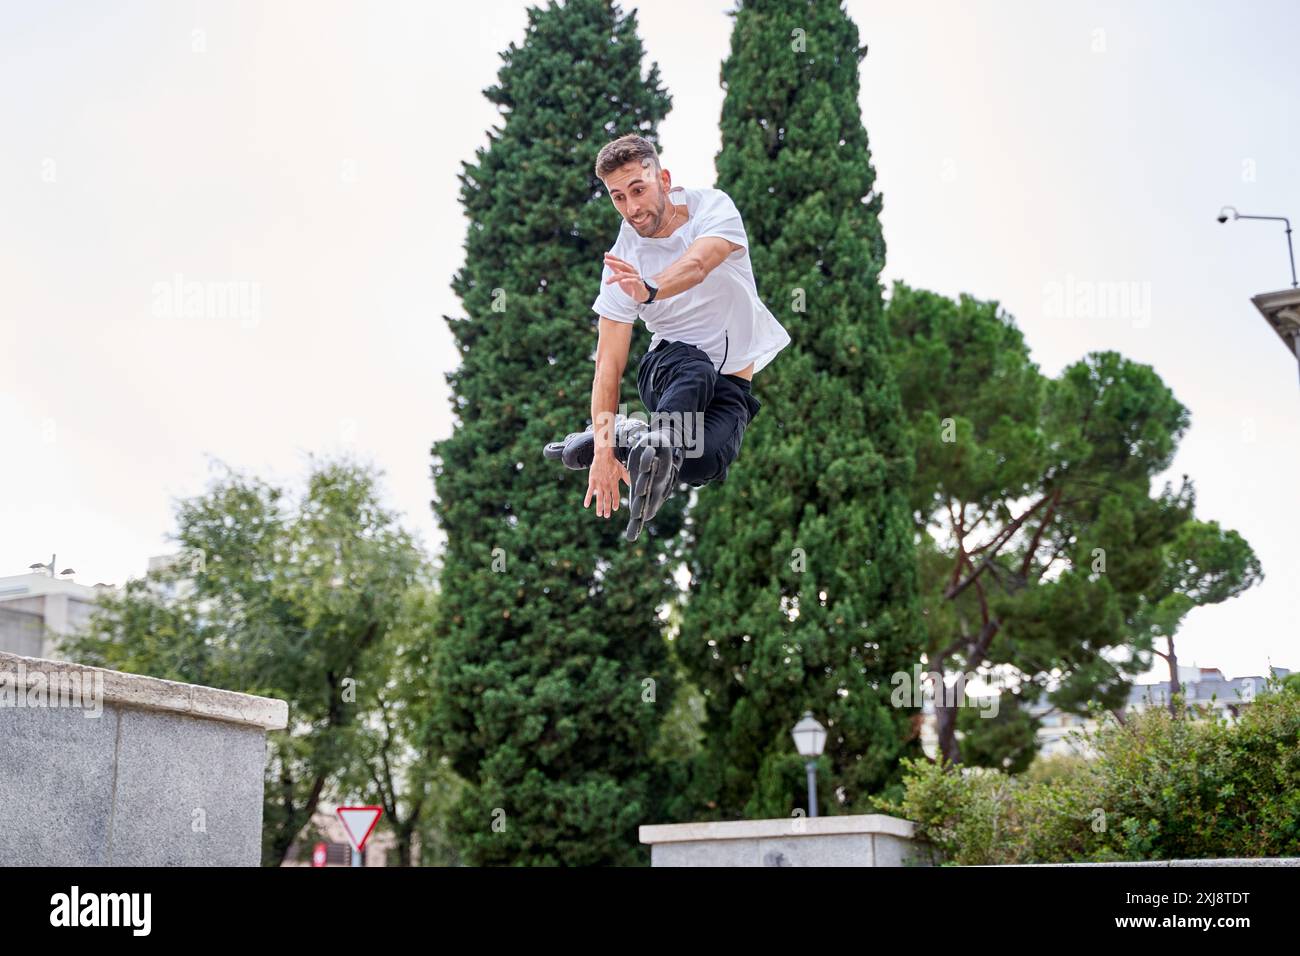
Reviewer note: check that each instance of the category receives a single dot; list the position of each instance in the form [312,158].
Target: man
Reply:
[681,264]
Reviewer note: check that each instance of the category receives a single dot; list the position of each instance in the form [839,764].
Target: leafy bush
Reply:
[1159,787]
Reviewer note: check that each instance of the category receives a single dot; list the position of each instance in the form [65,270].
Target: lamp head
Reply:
[809,736]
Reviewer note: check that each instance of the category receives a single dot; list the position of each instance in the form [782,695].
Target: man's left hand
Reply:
[627,277]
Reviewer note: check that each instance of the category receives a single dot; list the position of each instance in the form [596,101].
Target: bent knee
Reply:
[715,462]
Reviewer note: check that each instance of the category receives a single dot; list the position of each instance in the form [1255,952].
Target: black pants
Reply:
[708,412]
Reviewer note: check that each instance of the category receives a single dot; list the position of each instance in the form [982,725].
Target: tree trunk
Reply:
[945,717]
[282,842]
[404,842]
[1174,686]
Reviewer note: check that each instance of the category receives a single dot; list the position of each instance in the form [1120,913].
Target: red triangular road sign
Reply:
[358,822]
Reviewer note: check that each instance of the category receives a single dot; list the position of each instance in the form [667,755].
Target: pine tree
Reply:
[803,593]
[548,634]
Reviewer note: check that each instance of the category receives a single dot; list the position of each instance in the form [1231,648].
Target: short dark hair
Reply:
[624,150]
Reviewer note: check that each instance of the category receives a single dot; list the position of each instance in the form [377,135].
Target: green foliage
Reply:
[1158,788]
[961,815]
[308,602]
[1006,740]
[547,620]
[1044,554]
[1204,564]
[803,561]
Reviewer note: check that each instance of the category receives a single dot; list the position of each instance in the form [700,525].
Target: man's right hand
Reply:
[602,482]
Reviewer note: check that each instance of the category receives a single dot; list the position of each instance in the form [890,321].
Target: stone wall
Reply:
[860,840]
[101,768]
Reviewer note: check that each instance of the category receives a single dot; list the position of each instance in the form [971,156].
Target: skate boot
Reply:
[653,464]
[578,449]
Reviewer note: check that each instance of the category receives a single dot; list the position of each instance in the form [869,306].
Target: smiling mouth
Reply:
[637,222]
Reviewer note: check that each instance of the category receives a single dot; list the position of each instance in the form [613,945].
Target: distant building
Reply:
[182,585]
[1060,732]
[36,611]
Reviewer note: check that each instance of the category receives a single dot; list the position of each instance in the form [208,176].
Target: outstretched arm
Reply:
[613,342]
[704,255]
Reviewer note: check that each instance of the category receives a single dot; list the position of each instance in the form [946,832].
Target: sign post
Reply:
[358,824]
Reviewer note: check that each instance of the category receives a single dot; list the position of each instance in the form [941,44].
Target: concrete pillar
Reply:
[102,768]
[858,840]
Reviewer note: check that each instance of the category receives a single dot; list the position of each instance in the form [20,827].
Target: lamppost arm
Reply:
[1290,250]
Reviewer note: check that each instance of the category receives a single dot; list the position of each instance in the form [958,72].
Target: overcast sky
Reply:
[306,154]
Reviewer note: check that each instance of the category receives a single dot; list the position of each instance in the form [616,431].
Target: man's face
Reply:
[640,196]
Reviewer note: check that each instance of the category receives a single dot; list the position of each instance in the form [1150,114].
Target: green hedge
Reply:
[1158,788]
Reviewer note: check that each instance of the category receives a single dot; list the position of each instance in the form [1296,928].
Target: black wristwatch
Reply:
[649,288]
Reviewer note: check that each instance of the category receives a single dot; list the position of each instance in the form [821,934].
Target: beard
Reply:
[652,222]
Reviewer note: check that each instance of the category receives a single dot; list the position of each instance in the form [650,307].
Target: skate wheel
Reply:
[642,474]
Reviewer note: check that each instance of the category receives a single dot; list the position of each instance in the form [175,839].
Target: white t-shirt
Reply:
[723,314]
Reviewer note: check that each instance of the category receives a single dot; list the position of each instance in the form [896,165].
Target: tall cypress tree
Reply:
[547,626]
[803,593]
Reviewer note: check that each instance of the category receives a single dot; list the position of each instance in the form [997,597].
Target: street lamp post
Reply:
[1280,309]
[809,739]
[1229,211]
